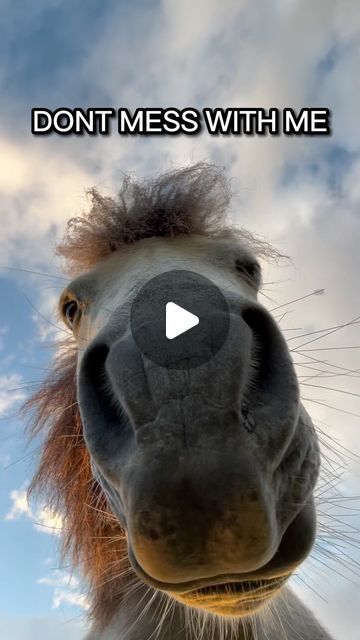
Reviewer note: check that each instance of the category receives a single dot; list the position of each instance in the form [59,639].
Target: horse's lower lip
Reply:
[256,587]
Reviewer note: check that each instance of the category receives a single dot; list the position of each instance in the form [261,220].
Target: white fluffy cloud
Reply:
[34,204]
[20,505]
[43,519]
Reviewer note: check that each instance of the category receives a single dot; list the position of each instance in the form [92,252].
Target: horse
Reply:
[186,491]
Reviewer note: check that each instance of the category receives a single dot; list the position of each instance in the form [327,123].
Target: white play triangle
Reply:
[178,320]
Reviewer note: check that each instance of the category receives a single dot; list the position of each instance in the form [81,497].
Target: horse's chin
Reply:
[233,599]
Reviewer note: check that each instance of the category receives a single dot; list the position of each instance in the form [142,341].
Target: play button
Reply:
[179,319]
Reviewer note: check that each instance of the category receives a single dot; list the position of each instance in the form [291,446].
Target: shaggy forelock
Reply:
[189,201]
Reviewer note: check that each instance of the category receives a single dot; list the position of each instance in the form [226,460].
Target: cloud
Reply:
[40,628]
[43,519]
[47,521]
[10,392]
[66,589]
[20,506]
[36,204]
[242,56]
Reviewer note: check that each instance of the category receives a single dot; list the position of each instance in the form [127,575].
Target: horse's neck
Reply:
[143,617]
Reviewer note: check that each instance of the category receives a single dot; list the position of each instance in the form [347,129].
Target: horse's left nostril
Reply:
[271,362]
[94,359]
[263,336]
[96,394]
[93,371]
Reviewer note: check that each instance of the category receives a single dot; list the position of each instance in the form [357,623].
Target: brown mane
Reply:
[91,536]
[193,200]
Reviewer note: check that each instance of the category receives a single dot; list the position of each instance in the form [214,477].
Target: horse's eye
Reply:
[251,270]
[70,311]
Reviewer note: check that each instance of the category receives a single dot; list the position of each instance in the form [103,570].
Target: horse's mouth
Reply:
[254,587]
[233,598]
[261,586]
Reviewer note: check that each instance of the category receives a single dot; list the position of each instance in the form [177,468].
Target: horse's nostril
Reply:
[271,364]
[105,422]
[95,386]
[95,359]
[263,339]
[93,373]
[262,326]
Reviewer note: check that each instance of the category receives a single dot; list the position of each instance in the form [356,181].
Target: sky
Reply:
[300,193]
